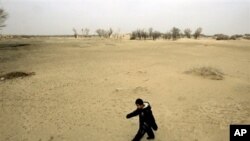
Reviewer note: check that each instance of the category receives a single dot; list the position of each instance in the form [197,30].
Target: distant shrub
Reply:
[187,33]
[132,37]
[85,32]
[150,32]
[100,32]
[13,75]
[75,33]
[221,37]
[109,32]
[104,33]
[197,32]
[175,33]
[233,37]
[167,36]
[139,34]
[156,35]
[238,35]
[247,34]
[246,37]
[3,17]
[206,72]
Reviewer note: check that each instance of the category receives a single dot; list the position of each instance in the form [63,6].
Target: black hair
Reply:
[139,101]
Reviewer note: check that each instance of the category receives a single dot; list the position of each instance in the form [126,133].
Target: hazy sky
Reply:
[60,16]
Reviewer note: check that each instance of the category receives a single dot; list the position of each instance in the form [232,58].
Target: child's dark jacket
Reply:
[146,117]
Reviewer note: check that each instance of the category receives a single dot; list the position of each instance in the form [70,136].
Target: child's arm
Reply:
[134,113]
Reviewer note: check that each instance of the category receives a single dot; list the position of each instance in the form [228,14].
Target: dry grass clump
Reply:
[207,72]
[13,75]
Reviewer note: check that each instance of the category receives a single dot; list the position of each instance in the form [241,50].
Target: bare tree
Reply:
[104,33]
[99,32]
[109,32]
[167,35]
[144,34]
[3,17]
[221,37]
[82,32]
[156,35]
[150,32]
[75,33]
[187,33]
[86,30]
[197,32]
[175,33]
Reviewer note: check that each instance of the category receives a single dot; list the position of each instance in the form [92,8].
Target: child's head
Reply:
[139,103]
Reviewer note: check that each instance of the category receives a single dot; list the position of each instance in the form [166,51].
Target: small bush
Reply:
[221,37]
[197,32]
[156,35]
[132,37]
[3,17]
[150,32]
[187,33]
[247,34]
[246,37]
[175,33]
[104,33]
[139,34]
[207,72]
[13,75]
[75,33]
[233,38]
[167,36]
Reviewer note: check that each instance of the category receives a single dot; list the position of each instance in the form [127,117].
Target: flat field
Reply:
[82,89]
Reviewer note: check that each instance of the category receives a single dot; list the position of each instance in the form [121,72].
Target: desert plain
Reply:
[82,89]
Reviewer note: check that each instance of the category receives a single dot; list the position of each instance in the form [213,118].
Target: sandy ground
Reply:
[83,89]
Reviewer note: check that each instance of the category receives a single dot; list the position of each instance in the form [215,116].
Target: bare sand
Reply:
[83,88]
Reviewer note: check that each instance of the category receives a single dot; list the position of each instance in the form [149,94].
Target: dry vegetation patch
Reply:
[207,72]
[13,75]
[12,46]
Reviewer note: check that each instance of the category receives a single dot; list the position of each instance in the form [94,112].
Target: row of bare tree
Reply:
[104,33]
[100,32]
[85,32]
[175,33]
[3,17]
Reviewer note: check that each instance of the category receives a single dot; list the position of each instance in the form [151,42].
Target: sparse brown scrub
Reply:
[17,74]
[75,33]
[175,33]
[85,32]
[139,34]
[156,35]
[197,33]
[187,33]
[221,37]
[167,36]
[104,33]
[246,36]
[207,72]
